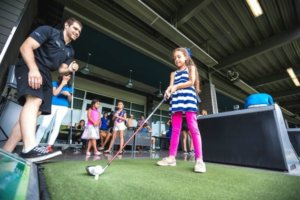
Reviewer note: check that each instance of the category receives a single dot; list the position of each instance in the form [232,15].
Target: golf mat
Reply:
[142,179]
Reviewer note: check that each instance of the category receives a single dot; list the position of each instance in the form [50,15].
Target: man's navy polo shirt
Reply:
[52,51]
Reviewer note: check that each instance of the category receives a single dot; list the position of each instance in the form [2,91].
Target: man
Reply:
[131,123]
[46,49]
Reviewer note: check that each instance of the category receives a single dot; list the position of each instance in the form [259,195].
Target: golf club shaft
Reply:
[135,133]
[72,104]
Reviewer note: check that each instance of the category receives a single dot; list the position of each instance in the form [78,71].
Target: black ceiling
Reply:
[223,35]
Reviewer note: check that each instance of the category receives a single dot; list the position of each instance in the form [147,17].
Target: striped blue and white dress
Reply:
[183,100]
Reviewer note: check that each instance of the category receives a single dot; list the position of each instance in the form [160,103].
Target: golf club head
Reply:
[94,170]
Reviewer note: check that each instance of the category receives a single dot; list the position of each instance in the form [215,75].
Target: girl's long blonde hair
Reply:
[189,62]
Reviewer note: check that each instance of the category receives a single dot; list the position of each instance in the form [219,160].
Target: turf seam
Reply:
[44,193]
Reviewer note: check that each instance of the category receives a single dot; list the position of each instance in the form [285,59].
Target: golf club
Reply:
[99,172]
[72,105]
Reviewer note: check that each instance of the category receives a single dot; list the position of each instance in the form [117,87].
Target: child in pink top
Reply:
[91,132]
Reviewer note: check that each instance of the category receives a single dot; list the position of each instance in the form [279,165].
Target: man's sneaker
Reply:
[167,162]
[200,166]
[38,154]
[185,152]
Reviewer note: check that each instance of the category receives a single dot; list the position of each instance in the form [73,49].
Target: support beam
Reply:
[189,10]
[113,79]
[244,86]
[292,107]
[290,104]
[267,45]
[106,22]
[297,8]
[295,110]
[286,93]
[280,76]
[153,19]
[294,120]
[98,79]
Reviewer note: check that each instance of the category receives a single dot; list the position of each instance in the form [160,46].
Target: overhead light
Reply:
[86,69]
[160,94]
[293,76]
[255,7]
[130,83]
[244,86]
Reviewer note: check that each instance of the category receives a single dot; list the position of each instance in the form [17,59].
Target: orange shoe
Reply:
[49,149]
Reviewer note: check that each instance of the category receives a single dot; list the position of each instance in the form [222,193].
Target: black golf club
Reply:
[99,172]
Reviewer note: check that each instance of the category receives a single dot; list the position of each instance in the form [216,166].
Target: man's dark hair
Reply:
[71,20]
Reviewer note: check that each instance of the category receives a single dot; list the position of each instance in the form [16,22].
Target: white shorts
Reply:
[119,126]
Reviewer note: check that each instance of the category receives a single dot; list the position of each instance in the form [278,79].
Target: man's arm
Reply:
[34,76]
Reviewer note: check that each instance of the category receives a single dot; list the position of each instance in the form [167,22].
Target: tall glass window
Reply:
[133,109]
[159,122]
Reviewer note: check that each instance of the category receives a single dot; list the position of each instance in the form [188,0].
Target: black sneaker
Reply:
[38,154]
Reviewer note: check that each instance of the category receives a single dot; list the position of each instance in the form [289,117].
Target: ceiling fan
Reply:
[129,83]
[160,94]
[86,70]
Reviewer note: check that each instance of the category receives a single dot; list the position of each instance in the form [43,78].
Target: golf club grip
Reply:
[136,132]
[73,89]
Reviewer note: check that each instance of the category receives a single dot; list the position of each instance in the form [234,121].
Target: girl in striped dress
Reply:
[119,126]
[183,89]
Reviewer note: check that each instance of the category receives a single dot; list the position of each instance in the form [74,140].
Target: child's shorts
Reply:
[119,126]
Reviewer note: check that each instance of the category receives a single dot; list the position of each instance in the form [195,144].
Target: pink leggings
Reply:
[191,119]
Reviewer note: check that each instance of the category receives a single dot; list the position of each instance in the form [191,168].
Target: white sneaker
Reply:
[167,162]
[101,148]
[200,166]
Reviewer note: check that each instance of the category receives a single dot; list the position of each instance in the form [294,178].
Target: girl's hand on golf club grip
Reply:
[173,89]
[167,95]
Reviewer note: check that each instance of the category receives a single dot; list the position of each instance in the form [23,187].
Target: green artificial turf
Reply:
[142,179]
